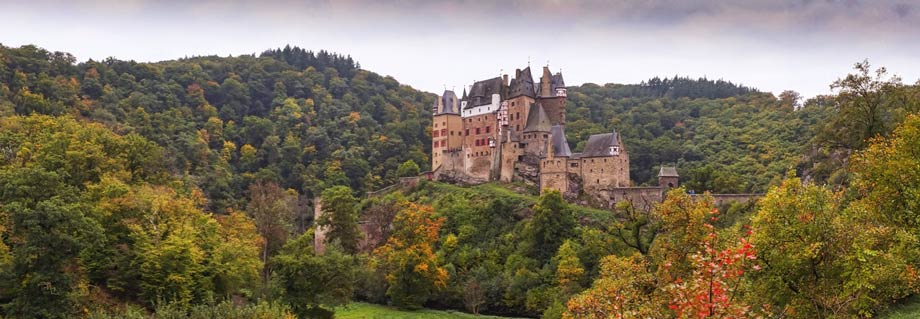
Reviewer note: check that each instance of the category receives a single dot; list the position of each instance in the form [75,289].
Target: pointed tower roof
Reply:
[448,103]
[558,81]
[537,120]
[560,145]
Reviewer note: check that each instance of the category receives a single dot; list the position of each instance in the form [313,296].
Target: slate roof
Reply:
[599,145]
[537,120]
[522,83]
[560,145]
[481,92]
[449,103]
[668,171]
[558,82]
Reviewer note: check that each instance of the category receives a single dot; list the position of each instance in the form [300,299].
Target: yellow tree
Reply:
[408,257]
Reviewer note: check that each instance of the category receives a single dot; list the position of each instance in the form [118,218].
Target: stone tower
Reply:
[667,177]
[446,128]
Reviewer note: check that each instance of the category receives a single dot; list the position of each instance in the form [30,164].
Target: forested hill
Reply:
[723,137]
[309,120]
[304,120]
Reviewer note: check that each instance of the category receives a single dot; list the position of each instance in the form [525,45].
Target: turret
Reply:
[667,177]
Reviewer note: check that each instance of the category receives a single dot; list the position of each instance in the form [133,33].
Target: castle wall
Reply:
[641,197]
[535,143]
[553,174]
[605,172]
[478,130]
[518,110]
[511,151]
[446,134]
[555,109]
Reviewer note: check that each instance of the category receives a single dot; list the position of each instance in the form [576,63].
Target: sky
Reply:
[772,45]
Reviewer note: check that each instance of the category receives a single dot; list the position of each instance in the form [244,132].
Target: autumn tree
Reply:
[408,258]
[340,218]
[682,233]
[625,289]
[822,259]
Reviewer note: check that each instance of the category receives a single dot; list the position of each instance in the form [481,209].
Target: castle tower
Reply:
[553,167]
[536,133]
[552,96]
[667,177]
[604,162]
[521,94]
[446,128]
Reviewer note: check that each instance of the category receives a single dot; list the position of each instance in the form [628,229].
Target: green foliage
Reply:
[225,309]
[550,226]
[306,121]
[314,284]
[340,216]
[408,168]
[823,259]
[116,222]
[723,138]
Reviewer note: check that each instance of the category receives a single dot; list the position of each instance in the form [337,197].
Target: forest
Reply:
[186,188]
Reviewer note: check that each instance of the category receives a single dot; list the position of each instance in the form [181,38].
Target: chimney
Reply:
[504,79]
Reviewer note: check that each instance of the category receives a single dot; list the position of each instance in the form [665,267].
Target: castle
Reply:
[514,130]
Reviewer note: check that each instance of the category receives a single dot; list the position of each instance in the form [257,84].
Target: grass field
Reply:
[360,310]
[910,309]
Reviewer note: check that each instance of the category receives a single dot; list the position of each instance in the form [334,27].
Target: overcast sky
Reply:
[772,45]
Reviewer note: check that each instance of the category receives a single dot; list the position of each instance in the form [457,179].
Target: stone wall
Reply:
[605,172]
[641,197]
[553,175]
[319,234]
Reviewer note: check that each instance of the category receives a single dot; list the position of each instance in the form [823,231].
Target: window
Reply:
[545,136]
[443,132]
[434,134]
[573,165]
[477,130]
[467,132]
[477,142]
[452,133]
[512,103]
[518,126]
[488,129]
[435,125]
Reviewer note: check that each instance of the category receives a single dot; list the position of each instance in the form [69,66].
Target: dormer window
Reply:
[614,150]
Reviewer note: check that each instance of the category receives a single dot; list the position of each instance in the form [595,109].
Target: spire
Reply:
[464,92]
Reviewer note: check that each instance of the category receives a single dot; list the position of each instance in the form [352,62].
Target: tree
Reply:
[314,284]
[569,269]
[683,232]
[340,216]
[235,261]
[552,223]
[272,210]
[824,260]
[408,257]
[625,289]
[713,289]
[407,168]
